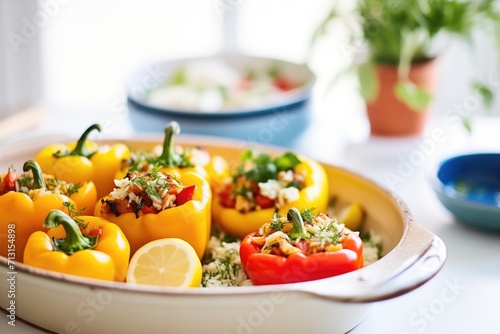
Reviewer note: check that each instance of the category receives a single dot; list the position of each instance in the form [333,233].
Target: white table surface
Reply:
[465,296]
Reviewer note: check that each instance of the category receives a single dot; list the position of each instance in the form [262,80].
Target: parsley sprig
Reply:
[74,213]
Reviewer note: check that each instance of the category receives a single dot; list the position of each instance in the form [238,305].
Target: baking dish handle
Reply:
[419,256]
[418,273]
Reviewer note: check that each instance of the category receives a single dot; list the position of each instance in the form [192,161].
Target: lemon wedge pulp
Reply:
[169,262]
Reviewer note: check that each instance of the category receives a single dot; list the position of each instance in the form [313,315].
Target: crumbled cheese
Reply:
[198,157]
[275,190]
[286,175]
[270,188]
[287,195]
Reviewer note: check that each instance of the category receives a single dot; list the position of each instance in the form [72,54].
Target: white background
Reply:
[89,47]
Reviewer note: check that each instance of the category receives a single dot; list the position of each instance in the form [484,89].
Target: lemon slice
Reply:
[169,262]
[351,216]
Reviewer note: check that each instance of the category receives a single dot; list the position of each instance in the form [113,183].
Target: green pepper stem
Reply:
[169,157]
[36,170]
[298,229]
[80,148]
[74,240]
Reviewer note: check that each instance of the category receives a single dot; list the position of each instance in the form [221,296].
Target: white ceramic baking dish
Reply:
[66,304]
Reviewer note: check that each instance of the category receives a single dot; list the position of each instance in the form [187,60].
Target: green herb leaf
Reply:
[484,91]
[263,167]
[74,213]
[467,125]
[276,224]
[368,81]
[262,173]
[73,188]
[248,155]
[308,215]
[274,72]
[413,96]
[179,76]
[286,161]
[25,181]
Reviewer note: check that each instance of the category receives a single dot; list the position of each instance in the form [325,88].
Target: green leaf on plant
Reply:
[367,81]
[467,125]
[484,91]
[413,96]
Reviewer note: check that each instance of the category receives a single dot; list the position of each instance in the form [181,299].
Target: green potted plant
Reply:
[398,71]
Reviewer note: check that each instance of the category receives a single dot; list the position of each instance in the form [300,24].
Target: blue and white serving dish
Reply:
[198,93]
[468,186]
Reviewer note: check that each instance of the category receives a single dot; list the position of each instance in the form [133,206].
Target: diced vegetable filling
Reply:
[25,183]
[324,234]
[146,192]
[144,161]
[262,182]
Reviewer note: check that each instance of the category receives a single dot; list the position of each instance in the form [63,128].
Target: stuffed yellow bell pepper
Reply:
[262,185]
[85,246]
[154,205]
[84,161]
[23,213]
[83,194]
[174,159]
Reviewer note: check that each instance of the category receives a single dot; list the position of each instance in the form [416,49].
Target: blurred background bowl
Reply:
[278,120]
[469,187]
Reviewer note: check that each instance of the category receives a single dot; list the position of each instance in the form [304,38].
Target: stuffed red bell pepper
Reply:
[300,247]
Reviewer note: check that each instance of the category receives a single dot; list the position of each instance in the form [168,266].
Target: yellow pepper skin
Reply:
[217,171]
[190,221]
[100,250]
[313,195]
[84,161]
[21,216]
[85,198]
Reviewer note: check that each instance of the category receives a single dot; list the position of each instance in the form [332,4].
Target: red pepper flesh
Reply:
[10,181]
[264,202]
[185,195]
[265,269]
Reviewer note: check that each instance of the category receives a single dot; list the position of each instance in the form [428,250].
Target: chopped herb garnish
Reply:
[73,188]
[308,215]
[243,191]
[277,224]
[73,213]
[152,183]
[25,181]
[329,233]
[52,182]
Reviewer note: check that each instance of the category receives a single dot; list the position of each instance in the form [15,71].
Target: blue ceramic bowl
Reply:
[469,187]
[280,121]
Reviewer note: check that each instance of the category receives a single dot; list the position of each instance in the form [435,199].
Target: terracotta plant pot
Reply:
[388,116]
